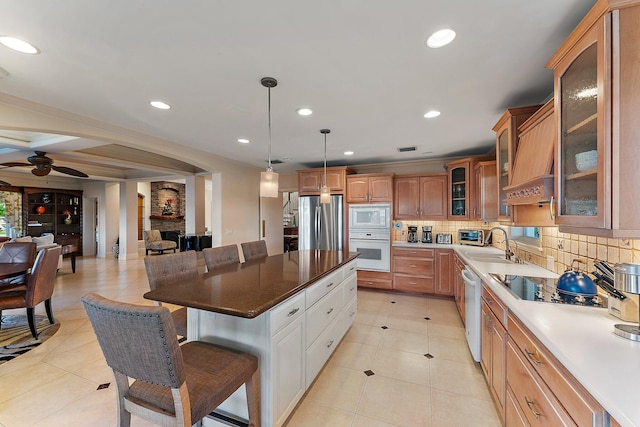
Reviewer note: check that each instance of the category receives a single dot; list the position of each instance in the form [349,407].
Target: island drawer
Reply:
[287,311]
[349,269]
[322,313]
[320,351]
[323,287]
[350,288]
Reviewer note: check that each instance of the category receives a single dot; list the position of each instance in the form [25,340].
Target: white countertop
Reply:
[581,338]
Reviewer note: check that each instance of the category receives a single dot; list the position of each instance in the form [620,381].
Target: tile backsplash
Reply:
[563,247]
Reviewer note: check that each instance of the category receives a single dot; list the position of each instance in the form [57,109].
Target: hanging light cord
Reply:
[325,159]
[269,108]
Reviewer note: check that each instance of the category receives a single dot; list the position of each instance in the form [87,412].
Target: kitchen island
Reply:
[291,310]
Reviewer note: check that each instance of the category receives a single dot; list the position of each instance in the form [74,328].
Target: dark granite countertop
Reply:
[250,289]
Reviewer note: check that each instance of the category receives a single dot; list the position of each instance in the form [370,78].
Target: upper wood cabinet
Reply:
[420,197]
[506,130]
[597,104]
[370,188]
[310,180]
[485,202]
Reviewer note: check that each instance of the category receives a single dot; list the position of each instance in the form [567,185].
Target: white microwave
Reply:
[370,217]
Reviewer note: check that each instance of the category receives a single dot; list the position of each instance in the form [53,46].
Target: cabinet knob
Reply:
[330,343]
[330,310]
[330,285]
[292,312]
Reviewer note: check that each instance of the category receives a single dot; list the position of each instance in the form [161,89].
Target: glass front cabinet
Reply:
[598,101]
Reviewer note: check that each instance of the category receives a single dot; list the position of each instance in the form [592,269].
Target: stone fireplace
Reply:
[167,206]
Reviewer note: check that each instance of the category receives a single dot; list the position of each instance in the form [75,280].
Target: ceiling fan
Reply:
[43,166]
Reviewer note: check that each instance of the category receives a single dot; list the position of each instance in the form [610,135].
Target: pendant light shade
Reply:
[269,179]
[325,191]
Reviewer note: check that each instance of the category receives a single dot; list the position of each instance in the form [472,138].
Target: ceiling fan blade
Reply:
[4,183]
[40,171]
[69,171]
[12,164]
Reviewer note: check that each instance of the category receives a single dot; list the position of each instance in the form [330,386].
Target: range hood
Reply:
[532,174]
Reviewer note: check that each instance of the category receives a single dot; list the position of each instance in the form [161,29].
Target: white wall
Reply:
[144,188]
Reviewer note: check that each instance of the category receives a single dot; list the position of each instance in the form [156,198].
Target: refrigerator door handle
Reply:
[317,227]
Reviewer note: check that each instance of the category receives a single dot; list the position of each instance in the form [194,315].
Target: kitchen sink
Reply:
[488,258]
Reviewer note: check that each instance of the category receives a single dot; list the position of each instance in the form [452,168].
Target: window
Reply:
[528,238]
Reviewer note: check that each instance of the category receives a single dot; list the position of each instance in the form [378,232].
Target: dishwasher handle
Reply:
[469,277]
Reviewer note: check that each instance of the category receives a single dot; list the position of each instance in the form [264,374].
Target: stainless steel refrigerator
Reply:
[320,225]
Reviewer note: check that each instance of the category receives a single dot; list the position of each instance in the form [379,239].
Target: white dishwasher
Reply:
[472,294]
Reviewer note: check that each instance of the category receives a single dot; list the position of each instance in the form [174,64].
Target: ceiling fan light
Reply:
[268,184]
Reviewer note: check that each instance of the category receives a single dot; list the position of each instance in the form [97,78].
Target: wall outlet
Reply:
[551,263]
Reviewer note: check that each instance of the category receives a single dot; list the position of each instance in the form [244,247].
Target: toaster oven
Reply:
[473,237]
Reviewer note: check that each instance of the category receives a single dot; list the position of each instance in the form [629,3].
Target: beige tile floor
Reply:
[56,383]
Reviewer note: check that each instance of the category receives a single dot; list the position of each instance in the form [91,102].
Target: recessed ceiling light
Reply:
[348,153]
[305,111]
[441,38]
[160,105]
[431,114]
[18,45]
[243,140]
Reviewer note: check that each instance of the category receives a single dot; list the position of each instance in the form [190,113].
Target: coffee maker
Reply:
[427,236]
[412,235]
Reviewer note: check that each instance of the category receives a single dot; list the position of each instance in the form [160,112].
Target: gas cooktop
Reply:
[544,290]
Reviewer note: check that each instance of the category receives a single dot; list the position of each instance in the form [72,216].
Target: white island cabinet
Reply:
[293,340]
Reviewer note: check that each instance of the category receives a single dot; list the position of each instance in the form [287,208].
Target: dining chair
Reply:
[17,252]
[174,385]
[171,269]
[39,288]
[221,256]
[254,250]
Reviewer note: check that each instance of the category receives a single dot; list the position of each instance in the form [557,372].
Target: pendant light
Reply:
[325,192]
[269,178]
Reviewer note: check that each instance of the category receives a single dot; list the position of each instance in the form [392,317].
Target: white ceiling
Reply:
[361,65]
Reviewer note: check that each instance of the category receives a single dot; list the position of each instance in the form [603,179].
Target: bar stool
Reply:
[254,250]
[174,385]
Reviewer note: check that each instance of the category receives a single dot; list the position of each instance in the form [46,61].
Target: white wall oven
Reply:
[370,234]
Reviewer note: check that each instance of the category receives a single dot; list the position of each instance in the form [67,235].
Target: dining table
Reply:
[12,269]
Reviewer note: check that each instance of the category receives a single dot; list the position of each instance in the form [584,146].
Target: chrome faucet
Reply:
[507,250]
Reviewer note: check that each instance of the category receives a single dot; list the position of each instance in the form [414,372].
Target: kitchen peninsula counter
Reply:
[290,310]
[251,288]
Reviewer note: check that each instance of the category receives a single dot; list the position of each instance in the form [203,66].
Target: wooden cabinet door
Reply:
[380,189]
[310,181]
[335,179]
[498,361]
[357,189]
[444,271]
[433,197]
[485,202]
[460,190]
[406,203]
[485,348]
